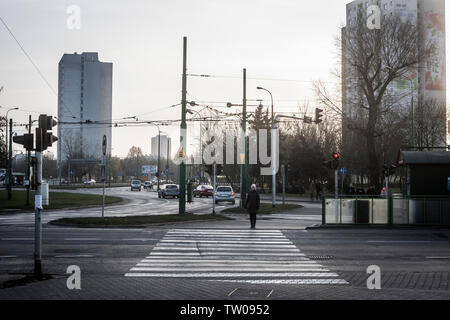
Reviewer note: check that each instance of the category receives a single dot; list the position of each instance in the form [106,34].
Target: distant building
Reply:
[84,96]
[165,146]
[428,81]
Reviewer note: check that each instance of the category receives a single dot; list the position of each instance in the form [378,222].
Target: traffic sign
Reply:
[343,170]
[104,144]
[180,156]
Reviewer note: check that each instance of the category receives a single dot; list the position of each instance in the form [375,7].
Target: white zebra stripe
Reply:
[232,255]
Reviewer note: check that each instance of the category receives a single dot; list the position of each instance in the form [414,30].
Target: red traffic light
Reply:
[336,156]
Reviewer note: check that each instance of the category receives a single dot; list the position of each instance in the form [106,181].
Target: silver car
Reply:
[136,185]
[169,190]
[225,194]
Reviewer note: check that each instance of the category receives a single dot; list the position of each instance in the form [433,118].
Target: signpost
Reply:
[343,173]
[103,173]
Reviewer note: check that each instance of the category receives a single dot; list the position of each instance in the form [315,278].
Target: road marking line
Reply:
[400,241]
[288,281]
[437,257]
[140,267]
[17,239]
[232,292]
[82,239]
[225,245]
[225,254]
[231,275]
[229,265]
[227,261]
[5,257]
[231,249]
[75,256]
[224,241]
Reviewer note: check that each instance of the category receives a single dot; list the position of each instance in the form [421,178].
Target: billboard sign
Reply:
[146,170]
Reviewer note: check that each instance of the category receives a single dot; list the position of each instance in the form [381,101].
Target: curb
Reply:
[376,227]
[17,211]
[140,226]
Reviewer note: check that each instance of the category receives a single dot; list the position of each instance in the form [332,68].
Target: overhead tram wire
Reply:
[35,65]
[254,78]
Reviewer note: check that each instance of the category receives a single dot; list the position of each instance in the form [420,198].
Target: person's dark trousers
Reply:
[252,219]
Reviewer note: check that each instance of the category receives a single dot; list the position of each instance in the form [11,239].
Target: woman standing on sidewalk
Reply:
[252,205]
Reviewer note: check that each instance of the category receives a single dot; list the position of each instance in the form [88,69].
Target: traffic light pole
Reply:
[37,217]
[386,179]
[158,173]
[9,181]
[182,172]
[244,141]
[336,192]
[27,169]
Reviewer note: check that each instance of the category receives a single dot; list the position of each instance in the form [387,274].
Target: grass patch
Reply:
[58,200]
[135,220]
[265,208]
[89,186]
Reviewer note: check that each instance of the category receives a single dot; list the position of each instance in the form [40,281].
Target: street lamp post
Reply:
[274,181]
[159,155]
[412,115]
[6,136]
[9,152]
[200,136]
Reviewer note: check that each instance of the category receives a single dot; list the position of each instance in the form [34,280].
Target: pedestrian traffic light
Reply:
[335,161]
[26,140]
[45,139]
[319,115]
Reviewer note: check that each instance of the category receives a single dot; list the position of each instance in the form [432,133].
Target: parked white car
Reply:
[91,181]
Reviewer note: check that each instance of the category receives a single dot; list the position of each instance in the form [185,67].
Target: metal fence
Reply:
[396,209]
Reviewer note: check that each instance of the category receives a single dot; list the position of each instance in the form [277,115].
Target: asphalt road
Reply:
[137,203]
[224,259]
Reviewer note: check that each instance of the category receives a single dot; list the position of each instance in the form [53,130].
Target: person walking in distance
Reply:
[252,205]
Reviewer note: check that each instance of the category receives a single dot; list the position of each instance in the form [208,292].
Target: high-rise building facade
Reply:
[84,107]
[428,81]
[165,146]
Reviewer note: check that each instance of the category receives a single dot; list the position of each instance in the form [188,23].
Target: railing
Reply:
[397,209]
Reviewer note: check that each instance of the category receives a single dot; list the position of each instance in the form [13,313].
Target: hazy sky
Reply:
[277,39]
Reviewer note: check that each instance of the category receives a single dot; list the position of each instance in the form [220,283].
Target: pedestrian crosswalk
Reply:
[232,255]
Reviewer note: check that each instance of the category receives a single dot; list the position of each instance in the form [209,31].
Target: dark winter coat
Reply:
[252,203]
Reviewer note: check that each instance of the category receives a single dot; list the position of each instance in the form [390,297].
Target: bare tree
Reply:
[429,124]
[371,61]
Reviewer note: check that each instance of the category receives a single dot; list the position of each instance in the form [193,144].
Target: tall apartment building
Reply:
[428,81]
[84,96]
[165,146]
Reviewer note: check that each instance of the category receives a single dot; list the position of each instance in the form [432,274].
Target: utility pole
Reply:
[274,179]
[159,160]
[37,211]
[283,176]
[412,119]
[10,180]
[214,191]
[336,192]
[182,172]
[104,144]
[244,140]
[27,169]
[167,160]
